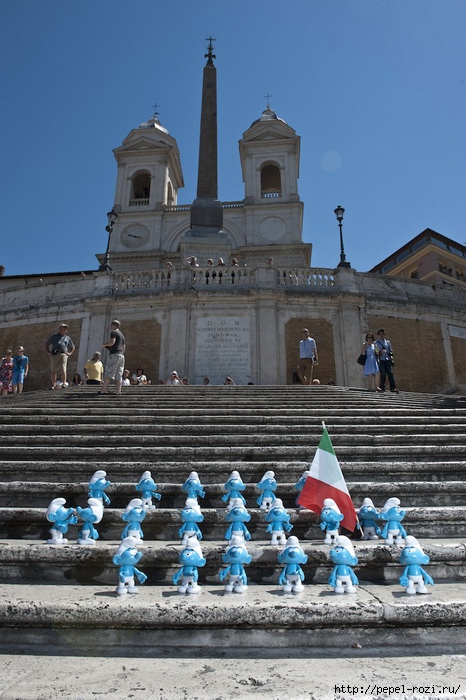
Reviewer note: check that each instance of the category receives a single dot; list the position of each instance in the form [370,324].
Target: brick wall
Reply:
[420,363]
[143,339]
[33,337]
[321,331]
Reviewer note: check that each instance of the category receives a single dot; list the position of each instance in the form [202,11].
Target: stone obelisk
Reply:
[206,210]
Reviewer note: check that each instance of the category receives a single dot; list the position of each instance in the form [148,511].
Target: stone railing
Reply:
[211,278]
[139,202]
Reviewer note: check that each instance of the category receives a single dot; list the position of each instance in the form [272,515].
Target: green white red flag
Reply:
[326,481]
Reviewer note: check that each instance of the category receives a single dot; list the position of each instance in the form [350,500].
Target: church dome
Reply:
[268,115]
[153,124]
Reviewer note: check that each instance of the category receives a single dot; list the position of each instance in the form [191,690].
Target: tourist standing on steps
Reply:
[59,348]
[307,357]
[371,368]
[116,346]
[385,361]
[20,370]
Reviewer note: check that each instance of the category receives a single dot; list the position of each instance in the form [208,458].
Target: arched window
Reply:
[140,189]
[170,195]
[271,185]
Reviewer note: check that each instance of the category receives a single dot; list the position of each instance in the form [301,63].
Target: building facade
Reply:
[242,318]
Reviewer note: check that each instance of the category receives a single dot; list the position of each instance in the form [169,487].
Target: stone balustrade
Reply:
[209,278]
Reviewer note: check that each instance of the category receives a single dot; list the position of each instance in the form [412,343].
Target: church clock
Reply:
[134,236]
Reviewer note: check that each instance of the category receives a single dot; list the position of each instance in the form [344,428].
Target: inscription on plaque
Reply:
[223,347]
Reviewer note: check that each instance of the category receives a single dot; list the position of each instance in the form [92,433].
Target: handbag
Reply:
[361,359]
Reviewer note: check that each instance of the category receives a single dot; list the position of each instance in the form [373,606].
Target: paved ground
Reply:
[172,676]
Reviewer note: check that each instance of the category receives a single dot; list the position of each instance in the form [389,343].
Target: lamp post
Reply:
[339,211]
[112,217]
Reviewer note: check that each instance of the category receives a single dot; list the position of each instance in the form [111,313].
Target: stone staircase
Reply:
[408,445]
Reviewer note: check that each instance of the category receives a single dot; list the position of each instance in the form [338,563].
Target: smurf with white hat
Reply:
[126,557]
[414,578]
[236,556]
[148,489]
[330,519]
[267,486]
[134,515]
[343,579]
[193,487]
[233,488]
[368,516]
[393,531]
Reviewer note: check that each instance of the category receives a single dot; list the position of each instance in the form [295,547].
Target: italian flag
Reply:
[326,481]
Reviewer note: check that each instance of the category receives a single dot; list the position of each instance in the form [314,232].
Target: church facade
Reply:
[225,288]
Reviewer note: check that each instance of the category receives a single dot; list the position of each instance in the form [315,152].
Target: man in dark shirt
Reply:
[59,347]
[116,360]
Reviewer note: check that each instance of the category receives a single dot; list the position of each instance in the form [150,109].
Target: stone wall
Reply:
[322,332]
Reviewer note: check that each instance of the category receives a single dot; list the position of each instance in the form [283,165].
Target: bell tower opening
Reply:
[140,189]
[271,185]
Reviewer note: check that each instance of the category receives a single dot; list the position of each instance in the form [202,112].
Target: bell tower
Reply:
[149,177]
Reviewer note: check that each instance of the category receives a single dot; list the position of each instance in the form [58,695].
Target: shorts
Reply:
[18,376]
[58,363]
[115,366]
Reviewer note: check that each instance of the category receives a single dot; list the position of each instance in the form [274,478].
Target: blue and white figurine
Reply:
[330,519]
[126,557]
[279,521]
[236,556]
[237,516]
[97,486]
[61,518]
[368,516]
[190,559]
[193,487]
[134,516]
[343,579]
[148,489]
[233,488]
[267,486]
[393,531]
[292,576]
[414,578]
[300,485]
[91,515]
[190,516]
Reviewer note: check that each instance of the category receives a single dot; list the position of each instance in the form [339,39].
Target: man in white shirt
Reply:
[307,358]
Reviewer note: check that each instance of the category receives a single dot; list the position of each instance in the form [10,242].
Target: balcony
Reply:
[209,279]
[139,202]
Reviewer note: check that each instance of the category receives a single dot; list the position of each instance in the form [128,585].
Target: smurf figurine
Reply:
[368,517]
[193,487]
[92,514]
[190,515]
[300,485]
[237,516]
[343,579]
[279,521]
[97,486]
[190,558]
[393,531]
[235,556]
[148,489]
[126,558]
[267,485]
[331,518]
[233,488]
[414,578]
[134,515]
[61,518]
[292,576]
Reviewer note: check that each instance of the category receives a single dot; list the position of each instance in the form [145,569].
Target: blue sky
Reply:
[375,89]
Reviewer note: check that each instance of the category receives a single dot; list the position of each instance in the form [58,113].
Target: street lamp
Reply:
[112,217]
[339,211]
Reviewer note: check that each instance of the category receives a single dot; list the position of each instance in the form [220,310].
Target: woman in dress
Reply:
[371,367]
[6,372]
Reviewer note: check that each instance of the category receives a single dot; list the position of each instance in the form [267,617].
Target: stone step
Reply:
[33,562]
[21,494]
[164,523]
[217,471]
[93,621]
